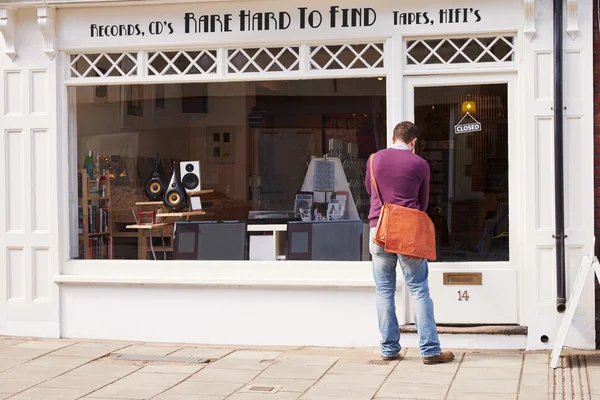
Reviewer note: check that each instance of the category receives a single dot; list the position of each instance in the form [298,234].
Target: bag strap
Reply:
[375,181]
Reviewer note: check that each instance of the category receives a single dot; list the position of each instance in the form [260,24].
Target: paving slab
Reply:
[253,365]
[180,396]
[213,354]
[502,386]
[401,390]
[489,373]
[224,375]
[172,369]
[13,386]
[33,372]
[62,361]
[258,396]
[314,361]
[148,350]
[287,385]
[351,381]
[422,377]
[78,382]
[253,355]
[22,354]
[121,391]
[50,394]
[206,388]
[7,363]
[85,350]
[293,370]
[152,379]
[362,368]
[342,393]
[116,370]
[482,396]
[4,396]
[43,344]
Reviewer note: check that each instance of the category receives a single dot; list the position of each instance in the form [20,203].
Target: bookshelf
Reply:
[95,221]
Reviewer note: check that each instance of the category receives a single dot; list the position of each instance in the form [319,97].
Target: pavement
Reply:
[36,369]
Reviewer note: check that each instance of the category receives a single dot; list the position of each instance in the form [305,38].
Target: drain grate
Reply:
[379,362]
[264,389]
[162,359]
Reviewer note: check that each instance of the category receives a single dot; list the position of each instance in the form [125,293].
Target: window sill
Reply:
[80,280]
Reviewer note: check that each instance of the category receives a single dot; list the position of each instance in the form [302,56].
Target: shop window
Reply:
[103,65]
[182,62]
[264,59]
[464,138]
[460,50]
[346,56]
[254,161]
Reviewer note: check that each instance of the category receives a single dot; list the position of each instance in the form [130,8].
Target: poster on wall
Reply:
[220,145]
[132,106]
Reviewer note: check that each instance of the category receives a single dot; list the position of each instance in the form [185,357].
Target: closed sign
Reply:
[466,128]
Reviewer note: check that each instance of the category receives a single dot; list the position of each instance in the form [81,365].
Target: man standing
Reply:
[403,179]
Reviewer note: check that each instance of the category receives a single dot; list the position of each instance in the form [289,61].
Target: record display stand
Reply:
[325,179]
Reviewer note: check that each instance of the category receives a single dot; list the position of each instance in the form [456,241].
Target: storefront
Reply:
[263,114]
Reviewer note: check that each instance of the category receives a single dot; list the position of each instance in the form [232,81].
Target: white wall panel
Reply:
[543,75]
[575,212]
[15,278]
[544,167]
[544,268]
[13,93]
[15,179]
[41,277]
[40,179]
[38,94]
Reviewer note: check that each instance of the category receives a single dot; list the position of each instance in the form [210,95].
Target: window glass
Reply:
[173,171]
[464,138]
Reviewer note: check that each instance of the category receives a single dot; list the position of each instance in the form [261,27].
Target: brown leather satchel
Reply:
[404,230]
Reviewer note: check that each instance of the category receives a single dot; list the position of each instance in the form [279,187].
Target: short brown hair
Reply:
[406,131]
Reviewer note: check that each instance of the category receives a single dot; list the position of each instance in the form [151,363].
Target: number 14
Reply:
[463,296]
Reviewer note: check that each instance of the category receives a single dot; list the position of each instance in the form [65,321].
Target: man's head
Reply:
[406,133]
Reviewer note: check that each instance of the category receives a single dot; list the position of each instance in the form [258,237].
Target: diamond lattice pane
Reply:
[102,65]
[347,56]
[182,62]
[460,50]
[263,59]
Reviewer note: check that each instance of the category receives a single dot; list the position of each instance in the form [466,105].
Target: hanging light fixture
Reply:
[469,106]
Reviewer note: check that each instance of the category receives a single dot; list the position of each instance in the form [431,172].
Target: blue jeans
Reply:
[415,274]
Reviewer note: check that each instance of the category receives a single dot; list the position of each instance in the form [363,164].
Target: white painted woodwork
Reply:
[29,303]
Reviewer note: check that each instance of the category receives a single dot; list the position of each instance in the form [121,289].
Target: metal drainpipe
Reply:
[559,200]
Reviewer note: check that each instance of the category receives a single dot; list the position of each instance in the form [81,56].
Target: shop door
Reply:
[467,124]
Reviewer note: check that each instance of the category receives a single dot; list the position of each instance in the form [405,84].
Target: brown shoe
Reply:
[444,357]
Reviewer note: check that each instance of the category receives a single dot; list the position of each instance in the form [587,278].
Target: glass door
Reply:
[466,128]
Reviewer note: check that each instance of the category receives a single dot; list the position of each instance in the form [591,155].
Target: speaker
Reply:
[190,175]
[190,178]
[155,186]
[175,198]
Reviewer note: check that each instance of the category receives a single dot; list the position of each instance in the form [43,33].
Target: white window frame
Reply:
[314,274]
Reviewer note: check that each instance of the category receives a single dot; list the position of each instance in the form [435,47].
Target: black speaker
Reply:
[175,198]
[155,187]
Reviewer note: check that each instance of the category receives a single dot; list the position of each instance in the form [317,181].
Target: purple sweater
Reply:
[403,179]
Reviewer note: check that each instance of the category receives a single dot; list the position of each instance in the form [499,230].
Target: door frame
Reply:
[507,273]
